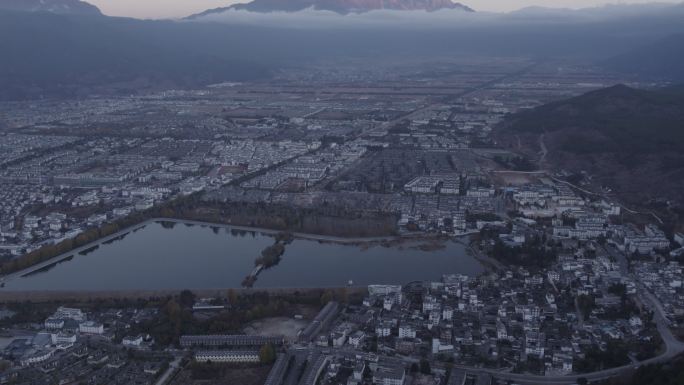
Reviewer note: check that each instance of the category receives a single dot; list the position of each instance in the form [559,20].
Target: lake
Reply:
[169,255]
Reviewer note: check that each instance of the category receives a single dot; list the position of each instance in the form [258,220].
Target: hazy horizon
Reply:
[159,9]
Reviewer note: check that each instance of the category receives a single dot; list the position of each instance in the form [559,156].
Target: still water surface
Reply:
[178,256]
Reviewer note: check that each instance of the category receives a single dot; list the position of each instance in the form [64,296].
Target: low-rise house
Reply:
[356,339]
[389,375]
[383,329]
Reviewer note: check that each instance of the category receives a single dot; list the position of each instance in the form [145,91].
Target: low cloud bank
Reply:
[443,19]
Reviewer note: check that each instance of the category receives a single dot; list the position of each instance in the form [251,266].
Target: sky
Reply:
[159,9]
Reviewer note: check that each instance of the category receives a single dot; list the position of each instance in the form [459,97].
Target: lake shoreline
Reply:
[410,249]
[355,241]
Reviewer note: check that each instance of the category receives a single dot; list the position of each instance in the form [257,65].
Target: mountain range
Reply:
[71,7]
[628,139]
[337,6]
[65,48]
[48,55]
[663,58]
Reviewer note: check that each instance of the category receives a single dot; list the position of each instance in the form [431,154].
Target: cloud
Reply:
[442,19]
[310,18]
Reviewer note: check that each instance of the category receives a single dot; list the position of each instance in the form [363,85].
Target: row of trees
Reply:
[270,256]
[532,254]
[324,219]
[50,251]
[516,163]
[47,252]
[267,354]
[615,354]
[176,318]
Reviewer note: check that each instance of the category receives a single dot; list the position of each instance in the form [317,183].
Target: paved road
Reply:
[544,151]
[451,98]
[293,374]
[173,366]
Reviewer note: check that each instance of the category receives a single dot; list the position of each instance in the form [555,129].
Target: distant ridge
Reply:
[662,59]
[338,6]
[69,7]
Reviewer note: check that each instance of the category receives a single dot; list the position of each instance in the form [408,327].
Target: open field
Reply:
[226,375]
[278,326]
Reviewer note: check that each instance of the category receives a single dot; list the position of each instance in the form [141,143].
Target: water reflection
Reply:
[164,256]
[49,267]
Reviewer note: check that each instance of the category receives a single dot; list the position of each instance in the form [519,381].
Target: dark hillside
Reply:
[627,139]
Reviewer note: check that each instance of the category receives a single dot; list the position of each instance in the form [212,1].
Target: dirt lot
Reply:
[514,179]
[228,375]
[278,326]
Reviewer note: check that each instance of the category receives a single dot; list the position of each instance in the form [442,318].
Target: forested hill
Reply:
[613,119]
[628,139]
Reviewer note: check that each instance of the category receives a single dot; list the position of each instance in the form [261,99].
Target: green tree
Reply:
[425,367]
[187,298]
[343,295]
[267,354]
[232,297]
[326,297]
[586,304]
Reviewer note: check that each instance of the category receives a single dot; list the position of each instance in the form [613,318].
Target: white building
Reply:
[36,357]
[389,376]
[387,303]
[356,339]
[563,362]
[91,327]
[423,185]
[63,338]
[429,304]
[382,290]
[439,347]
[69,313]
[450,187]
[383,329]
[340,334]
[447,313]
[679,238]
[534,343]
[479,192]
[501,332]
[434,317]
[407,331]
[227,356]
[132,341]
[54,323]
